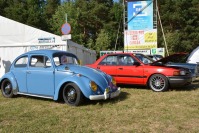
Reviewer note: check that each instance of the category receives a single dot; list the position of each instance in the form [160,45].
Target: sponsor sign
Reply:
[140,15]
[46,40]
[109,52]
[140,39]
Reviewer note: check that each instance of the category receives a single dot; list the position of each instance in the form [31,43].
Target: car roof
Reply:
[47,52]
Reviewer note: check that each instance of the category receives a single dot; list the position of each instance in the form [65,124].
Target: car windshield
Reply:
[159,56]
[144,59]
[65,58]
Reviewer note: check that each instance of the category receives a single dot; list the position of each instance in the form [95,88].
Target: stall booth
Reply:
[17,38]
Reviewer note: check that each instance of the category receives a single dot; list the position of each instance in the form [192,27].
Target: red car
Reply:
[138,69]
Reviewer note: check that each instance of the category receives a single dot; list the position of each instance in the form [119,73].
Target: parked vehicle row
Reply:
[57,75]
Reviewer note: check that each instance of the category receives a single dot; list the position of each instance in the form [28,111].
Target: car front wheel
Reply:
[158,83]
[72,94]
[6,89]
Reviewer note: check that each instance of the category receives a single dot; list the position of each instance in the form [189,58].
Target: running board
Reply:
[35,95]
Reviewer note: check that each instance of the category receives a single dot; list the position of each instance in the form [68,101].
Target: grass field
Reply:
[137,110]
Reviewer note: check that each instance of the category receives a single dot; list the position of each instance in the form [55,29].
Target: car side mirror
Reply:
[136,63]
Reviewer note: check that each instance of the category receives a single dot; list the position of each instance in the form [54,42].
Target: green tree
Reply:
[88,18]
[47,11]
[103,41]
[36,13]
[180,21]
[3,4]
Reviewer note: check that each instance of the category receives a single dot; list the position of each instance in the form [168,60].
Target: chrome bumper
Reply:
[105,95]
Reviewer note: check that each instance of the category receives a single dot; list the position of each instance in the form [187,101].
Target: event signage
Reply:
[146,52]
[140,15]
[46,40]
[140,33]
[140,39]
[109,52]
[158,51]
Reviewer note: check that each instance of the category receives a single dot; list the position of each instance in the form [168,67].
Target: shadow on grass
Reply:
[141,87]
[193,86]
[121,97]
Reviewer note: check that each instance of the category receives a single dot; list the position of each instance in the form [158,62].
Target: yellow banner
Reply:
[150,37]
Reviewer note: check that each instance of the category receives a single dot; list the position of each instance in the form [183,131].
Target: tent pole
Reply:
[162,29]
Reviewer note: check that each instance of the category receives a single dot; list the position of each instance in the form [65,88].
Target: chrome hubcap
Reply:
[158,83]
[71,95]
[7,88]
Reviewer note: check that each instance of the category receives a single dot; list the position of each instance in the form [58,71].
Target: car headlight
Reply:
[177,73]
[114,81]
[93,85]
[182,73]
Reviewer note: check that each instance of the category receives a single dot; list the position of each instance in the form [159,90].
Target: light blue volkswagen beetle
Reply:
[56,74]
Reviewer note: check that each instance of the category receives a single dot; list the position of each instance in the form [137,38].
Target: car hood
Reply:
[172,58]
[99,77]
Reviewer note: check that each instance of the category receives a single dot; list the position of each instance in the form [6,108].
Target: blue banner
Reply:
[140,15]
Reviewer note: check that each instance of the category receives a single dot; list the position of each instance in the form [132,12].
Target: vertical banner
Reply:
[140,15]
[140,33]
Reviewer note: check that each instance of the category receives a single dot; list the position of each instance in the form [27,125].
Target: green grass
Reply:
[137,110]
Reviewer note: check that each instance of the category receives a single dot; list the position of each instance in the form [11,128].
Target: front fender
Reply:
[13,81]
[81,81]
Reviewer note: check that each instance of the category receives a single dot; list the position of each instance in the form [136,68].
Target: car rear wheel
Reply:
[72,94]
[158,83]
[6,89]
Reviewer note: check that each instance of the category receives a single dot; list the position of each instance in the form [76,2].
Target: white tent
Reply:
[17,38]
[194,56]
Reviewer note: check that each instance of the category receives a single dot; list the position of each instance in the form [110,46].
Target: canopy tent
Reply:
[194,56]
[17,38]
[13,33]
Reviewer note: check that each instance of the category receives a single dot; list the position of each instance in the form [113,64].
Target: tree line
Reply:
[98,24]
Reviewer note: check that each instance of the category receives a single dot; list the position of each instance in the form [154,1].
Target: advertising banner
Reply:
[109,52]
[140,15]
[140,39]
[140,33]
[158,51]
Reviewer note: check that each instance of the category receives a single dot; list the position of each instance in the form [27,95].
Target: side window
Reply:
[21,62]
[56,60]
[40,61]
[109,60]
[126,60]
[129,61]
[48,63]
[121,60]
